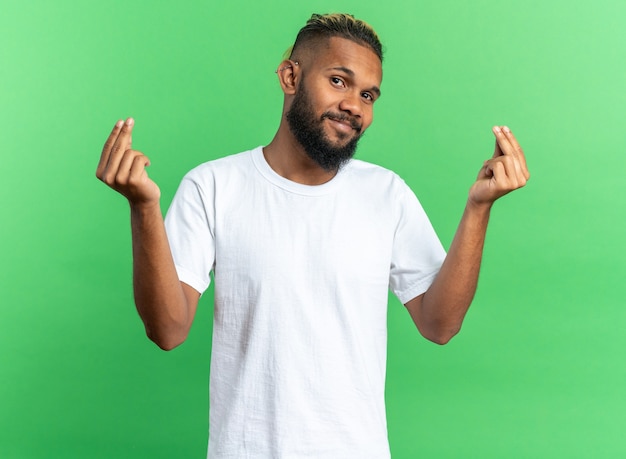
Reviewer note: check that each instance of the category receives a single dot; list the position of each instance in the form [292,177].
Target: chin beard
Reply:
[309,132]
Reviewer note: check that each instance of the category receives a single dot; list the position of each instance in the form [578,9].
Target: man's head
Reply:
[331,80]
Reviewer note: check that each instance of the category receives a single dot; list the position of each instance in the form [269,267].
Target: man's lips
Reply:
[344,121]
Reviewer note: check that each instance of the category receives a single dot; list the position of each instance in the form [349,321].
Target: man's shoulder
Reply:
[363,171]
[229,164]
[367,167]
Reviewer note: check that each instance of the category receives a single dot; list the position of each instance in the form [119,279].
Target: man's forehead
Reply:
[347,55]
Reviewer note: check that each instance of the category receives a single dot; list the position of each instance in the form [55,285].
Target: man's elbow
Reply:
[165,341]
[441,335]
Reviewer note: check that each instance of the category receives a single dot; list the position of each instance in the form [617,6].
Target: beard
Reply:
[309,132]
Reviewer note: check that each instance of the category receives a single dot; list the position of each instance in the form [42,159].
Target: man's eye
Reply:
[336,81]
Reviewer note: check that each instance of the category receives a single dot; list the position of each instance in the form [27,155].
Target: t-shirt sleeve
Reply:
[417,253]
[189,225]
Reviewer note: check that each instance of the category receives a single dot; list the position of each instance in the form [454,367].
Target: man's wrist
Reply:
[479,208]
[145,207]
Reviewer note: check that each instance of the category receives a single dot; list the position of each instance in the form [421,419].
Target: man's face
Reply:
[333,105]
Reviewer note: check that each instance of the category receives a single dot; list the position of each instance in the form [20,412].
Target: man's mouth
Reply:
[345,120]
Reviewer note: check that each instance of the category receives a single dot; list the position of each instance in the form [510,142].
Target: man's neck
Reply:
[288,159]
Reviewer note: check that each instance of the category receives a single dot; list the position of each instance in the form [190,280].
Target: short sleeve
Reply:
[417,253]
[189,224]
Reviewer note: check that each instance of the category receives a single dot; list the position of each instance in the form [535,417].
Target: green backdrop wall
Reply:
[538,370]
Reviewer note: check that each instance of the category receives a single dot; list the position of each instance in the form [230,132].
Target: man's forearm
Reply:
[159,295]
[444,305]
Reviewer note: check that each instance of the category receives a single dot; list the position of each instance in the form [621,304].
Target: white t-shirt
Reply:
[301,279]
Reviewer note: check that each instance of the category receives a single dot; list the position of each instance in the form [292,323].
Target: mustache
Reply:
[344,118]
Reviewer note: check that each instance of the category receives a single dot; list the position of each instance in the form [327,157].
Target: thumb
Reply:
[497,151]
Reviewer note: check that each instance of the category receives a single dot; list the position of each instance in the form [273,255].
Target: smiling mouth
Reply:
[344,120]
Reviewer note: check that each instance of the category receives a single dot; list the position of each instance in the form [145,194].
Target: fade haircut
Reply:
[325,26]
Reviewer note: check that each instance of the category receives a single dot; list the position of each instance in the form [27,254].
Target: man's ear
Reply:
[288,76]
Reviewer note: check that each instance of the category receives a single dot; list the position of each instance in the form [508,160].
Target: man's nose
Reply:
[351,103]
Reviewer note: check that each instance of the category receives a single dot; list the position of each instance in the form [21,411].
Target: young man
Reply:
[303,243]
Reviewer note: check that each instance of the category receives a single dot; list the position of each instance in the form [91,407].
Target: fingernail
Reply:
[497,129]
[506,129]
[119,124]
[130,122]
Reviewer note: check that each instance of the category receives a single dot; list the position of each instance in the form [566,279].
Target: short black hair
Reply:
[338,25]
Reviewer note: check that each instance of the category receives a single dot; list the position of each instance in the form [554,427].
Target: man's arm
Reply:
[439,312]
[166,305]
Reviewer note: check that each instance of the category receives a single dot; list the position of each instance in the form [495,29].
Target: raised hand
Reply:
[504,172]
[124,169]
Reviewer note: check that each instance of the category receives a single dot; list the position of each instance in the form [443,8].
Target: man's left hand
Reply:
[504,172]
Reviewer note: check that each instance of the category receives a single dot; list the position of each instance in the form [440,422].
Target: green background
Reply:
[538,370]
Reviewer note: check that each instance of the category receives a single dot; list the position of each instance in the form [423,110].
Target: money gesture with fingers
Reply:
[124,169]
[504,172]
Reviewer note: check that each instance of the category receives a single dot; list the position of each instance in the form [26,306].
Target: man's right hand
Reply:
[124,169]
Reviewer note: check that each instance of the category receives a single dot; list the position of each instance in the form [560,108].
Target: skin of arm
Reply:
[165,305]
[439,312]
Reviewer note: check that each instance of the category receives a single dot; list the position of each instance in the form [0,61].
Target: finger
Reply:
[517,151]
[497,151]
[500,182]
[498,171]
[485,171]
[507,173]
[507,141]
[106,150]
[122,143]
[138,168]
[502,142]
[124,169]
[512,170]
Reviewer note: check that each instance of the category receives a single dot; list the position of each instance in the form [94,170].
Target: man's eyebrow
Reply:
[344,70]
[349,72]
